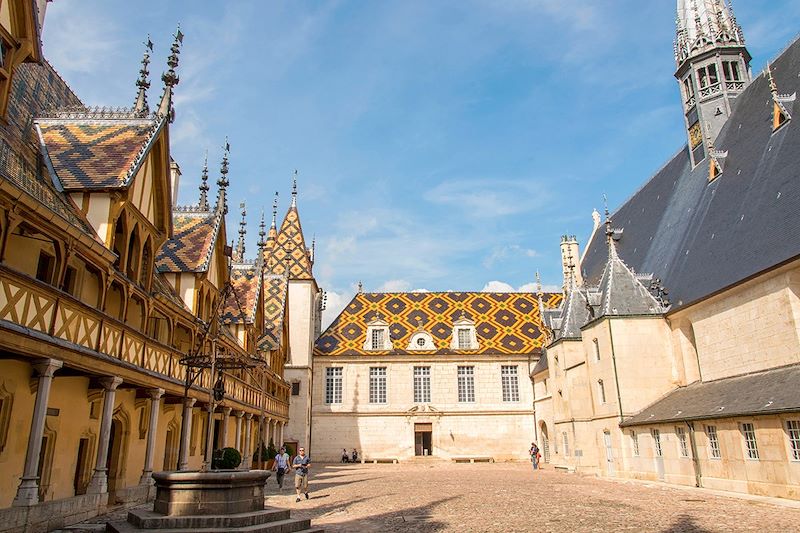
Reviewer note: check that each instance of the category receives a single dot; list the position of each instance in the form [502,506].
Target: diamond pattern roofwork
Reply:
[95,154]
[192,242]
[275,291]
[289,250]
[505,323]
[240,305]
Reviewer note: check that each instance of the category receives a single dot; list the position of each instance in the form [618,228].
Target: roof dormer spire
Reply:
[170,77]
[222,182]
[242,233]
[274,211]
[294,188]
[140,106]
[203,203]
[262,233]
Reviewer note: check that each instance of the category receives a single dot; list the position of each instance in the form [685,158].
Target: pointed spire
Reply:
[274,211]
[140,106]
[773,88]
[612,248]
[313,246]
[170,78]
[222,182]
[360,287]
[203,204]
[242,233]
[294,189]
[262,232]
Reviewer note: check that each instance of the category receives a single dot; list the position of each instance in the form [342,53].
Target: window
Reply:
[601,391]
[466,384]
[544,383]
[682,447]
[688,88]
[565,439]
[509,383]
[333,385]
[749,434]
[730,69]
[422,384]
[707,75]
[377,384]
[793,429]
[635,442]
[45,267]
[378,336]
[596,350]
[421,342]
[70,280]
[295,388]
[713,442]
[657,442]
[464,341]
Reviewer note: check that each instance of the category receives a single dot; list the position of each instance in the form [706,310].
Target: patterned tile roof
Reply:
[290,249]
[193,237]
[275,290]
[240,306]
[505,323]
[88,153]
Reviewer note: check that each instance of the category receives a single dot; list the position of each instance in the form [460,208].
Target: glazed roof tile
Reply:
[275,292]
[192,242]
[505,323]
[240,306]
[290,250]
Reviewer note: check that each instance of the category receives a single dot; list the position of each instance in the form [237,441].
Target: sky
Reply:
[440,145]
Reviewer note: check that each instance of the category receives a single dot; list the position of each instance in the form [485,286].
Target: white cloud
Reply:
[335,303]
[501,253]
[489,197]
[79,39]
[395,285]
[497,286]
[502,286]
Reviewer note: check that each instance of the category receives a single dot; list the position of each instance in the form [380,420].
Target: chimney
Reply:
[175,177]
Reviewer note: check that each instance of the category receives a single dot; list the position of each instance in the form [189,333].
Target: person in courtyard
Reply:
[534,452]
[281,466]
[345,457]
[355,456]
[301,464]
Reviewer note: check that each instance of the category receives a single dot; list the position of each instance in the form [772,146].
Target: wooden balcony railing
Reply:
[38,306]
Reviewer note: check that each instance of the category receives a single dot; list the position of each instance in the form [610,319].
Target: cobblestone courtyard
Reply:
[510,497]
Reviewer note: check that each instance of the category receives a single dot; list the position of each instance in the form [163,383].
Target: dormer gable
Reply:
[464,336]
[420,340]
[377,339]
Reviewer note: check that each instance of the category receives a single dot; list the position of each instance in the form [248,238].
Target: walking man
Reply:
[301,464]
[281,466]
[534,453]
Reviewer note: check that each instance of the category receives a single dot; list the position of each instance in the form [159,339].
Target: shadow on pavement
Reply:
[685,524]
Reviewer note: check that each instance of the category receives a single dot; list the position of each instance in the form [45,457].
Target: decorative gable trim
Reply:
[464,327]
[378,339]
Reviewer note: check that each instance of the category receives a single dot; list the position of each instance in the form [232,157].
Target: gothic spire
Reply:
[294,189]
[222,182]
[262,233]
[170,77]
[703,25]
[203,204]
[140,106]
[612,248]
[274,212]
[242,233]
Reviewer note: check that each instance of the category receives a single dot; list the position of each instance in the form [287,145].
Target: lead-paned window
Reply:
[422,384]
[333,384]
[657,442]
[749,434]
[510,383]
[683,447]
[377,384]
[378,338]
[635,442]
[464,340]
[466,384]
[793,430]
[713,442]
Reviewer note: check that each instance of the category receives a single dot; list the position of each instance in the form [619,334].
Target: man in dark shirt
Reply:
[301,464]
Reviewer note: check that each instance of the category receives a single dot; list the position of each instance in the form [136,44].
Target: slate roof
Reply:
[192,242]
[240,305]
[760,393]
[290,249]
[541,365]
[699,237]
[275,292]
[574,313]
[505,323]
[92,152]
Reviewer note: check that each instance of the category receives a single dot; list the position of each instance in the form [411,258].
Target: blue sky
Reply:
[441,145]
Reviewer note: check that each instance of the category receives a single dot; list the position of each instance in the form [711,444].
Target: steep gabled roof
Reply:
[699,237]
[290,249]
[192,242]
[574,314]
[622,293]
[241,303]
[505,323]
[97,149]
[275,293]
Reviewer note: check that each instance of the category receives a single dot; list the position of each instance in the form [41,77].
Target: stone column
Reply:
[183,460]
[280,432]
[99,482]
[226,412]
[238,443]
[248,441]
[28,491]
[152,431]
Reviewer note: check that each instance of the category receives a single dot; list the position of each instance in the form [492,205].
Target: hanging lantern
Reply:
[219,389]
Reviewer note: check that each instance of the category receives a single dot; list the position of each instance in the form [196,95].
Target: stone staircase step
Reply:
[146,519]
[290,525]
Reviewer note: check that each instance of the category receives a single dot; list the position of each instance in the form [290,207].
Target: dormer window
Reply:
[464,337]
[377,336]
[420,339]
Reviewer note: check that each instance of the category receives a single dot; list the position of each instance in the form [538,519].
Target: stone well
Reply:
[216,492]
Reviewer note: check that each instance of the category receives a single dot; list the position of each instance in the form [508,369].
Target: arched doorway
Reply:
[545,442]
[171,445]
[117,452]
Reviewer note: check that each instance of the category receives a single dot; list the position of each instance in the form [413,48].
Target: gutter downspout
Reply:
[698,474]
[614,362]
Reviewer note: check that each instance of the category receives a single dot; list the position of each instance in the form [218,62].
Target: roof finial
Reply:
[140,105]
[313,246]
[242,233]
[612,249]
[773,88]
[360,287]
[222,182]
[262,232]
[204,185]
[294,189]
[538,284]
[170,78]
[274,210]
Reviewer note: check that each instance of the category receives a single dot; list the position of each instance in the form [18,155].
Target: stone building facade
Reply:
[677,358]
[399,375]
